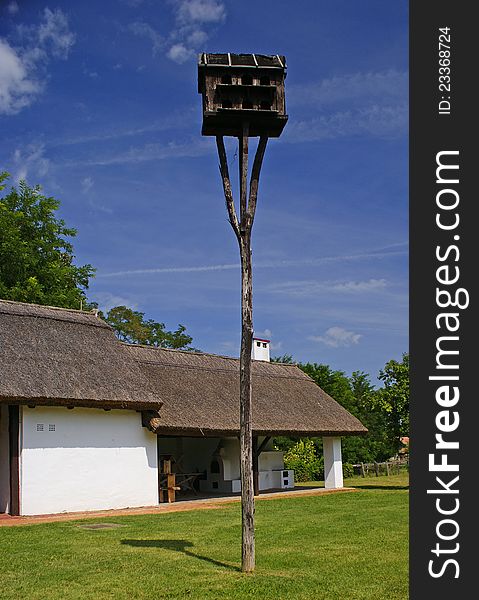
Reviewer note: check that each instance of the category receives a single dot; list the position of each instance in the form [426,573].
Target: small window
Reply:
[214,485]
[264,80]
[226,79]
[247,79]
[247,104]
[265,105]
[39,426]
[51,427]
[264,345]
[258,344]
[226,104]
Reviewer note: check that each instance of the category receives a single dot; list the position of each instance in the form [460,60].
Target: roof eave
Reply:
[205,432]
[105,404]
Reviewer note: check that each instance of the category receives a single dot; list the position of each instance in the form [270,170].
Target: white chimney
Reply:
[260,349]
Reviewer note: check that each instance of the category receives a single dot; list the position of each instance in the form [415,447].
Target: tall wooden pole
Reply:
[242,229]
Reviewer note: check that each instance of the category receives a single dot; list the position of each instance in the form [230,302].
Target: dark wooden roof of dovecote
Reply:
[201,397]
[57,356]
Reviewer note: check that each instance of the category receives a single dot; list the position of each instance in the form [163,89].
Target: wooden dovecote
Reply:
[239,88]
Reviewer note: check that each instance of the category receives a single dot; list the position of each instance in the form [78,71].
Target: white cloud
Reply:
[106,301]
[21,67]
[12,8]
[337,337]
[355,87]
[54,32]
[179,53]
[153,152]
[266,334]
[200,11]
[197,38]
[188,35]
[314,287]
[145,30]
[378,121]
[17,86]
[374,103]
[86,184]
[29,159]
[161,270]
[263,265]
[360,286]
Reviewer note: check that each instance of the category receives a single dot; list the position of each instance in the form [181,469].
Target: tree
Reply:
[36,259]
[130,326]
[376,445]
[285,359]
[358,396]
[393,399]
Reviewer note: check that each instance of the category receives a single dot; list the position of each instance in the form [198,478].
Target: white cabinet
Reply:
[283,479]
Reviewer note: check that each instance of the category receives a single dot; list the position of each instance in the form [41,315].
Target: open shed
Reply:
[85,418]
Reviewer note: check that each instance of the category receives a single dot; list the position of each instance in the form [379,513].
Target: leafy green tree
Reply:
[285,359]
[358,396]
[376,445]
[393,398]
[334,383]
[36,259]
[303,458]
[132,327]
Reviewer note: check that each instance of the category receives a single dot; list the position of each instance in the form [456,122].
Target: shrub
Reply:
[305,462]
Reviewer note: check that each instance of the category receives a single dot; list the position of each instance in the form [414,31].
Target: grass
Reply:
[347,546]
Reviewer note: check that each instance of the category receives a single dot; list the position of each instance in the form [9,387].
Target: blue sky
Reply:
[99,104]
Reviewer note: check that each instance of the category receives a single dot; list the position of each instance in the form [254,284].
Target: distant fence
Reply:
[376,469]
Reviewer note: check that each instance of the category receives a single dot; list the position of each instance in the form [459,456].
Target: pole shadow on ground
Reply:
[178,546]
[372,486]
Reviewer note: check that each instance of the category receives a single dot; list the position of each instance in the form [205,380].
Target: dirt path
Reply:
[181,506]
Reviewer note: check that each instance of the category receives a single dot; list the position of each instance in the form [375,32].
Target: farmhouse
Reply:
[86,419]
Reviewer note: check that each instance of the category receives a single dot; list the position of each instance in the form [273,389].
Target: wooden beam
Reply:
[171,485]
[256,454]
[255,466]
[263,444]
[14,440]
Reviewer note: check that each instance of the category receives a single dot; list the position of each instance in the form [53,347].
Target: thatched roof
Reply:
[201,397]
[56,356]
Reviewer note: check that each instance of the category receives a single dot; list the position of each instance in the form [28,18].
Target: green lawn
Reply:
[340,546]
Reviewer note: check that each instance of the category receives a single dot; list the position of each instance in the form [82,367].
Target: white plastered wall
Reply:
[4,460]
[333,463]
[85,459]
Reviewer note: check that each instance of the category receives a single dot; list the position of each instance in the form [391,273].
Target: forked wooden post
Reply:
[242,229]
[243,97]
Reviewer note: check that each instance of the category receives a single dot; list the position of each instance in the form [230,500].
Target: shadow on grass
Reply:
[380,487]
[178,546]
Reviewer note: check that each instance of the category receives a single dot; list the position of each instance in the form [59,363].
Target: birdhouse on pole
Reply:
[243,97]
[239,88]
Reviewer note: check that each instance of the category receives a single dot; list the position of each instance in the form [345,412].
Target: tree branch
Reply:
[253,191]
[233,219]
